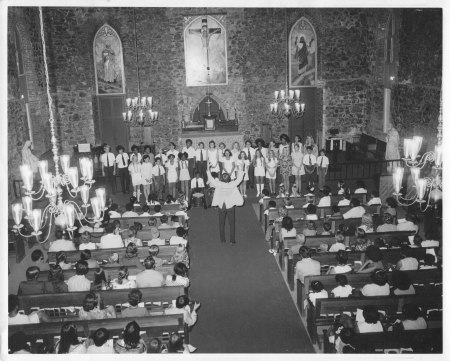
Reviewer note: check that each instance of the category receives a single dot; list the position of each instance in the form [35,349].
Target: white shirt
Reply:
[313,296]
[226,193]
[355,212]
[197,155]
[161,156]
[130,214]
[306,267]
[407,226]
[176,240]
[325,202]
[20,319]
[197,183]
[108,157]
[105,348]
[149,278]
[263,152]
[110,240]
[155,170]
[312,217]
[418,324]
[78,283]
[342,291]
[62,245]
[174,152]
[307,158]
[365,327]
[252,153]
[139,156]
[119,160]
[373,289]
[190,318]
[324,160]
[114,214]
[373,201]
[90,245]
[335,247]
[360,191]
[344,202]
[179,281]
[190,151]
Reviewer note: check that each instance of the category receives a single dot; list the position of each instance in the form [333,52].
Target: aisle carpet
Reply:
[246,306]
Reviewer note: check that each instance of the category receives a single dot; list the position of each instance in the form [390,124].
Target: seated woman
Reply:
[342,266]
[69,341]
[379,285]
[122,280]
[131,233]
[374,198]
[180,255]
[287,229]
[366,223]
[91,310]
[310,230]
[362,242]
[413,319]
[164,222]
[131,341]
[339,244]
[402,284]
[287,203]
[326,229]
[176,345]
[429,262]
[360,187]
[155,240]
[317,291]
[343,290]
[391,207]
[311,212]
[85,255]
[61,261]
[345,200]
[180,276]
[325,201]
[343,187]
[370,321]
[55,282]
[32,285]
[410,223]
[134,309]
[373,260]
[408,261]
[152,199]
[387,225]
[335,213]
[182,306]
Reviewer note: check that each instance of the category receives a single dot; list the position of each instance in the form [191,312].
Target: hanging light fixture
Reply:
[140,110]
[52,185]
[426,190]
[287,105]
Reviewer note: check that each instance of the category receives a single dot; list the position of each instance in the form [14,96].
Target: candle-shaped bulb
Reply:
[84,192]
[89,169]
[276,93]
[302,107]
[95,203]
[282,94]
[27,176]
[156,115]
[69,213]
[397,179]
[65,162]
[27,203]
[297,93]
[128,102]
[49,185]
[415,174]
[124,115]
[17,210]
[35,219]
[150,101]
[421,188]
[72,173]
[144,101]
[43,167]
[101,195]
[406,147]
[291,94]
[438,156]
[297,107]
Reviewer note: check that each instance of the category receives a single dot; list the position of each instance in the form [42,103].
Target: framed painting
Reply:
[205,50]
[302,44]
[108,62]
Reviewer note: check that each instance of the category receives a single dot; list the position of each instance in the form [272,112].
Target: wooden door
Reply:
[305,125]
[112,128]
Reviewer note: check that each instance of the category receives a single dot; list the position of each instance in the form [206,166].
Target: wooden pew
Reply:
[424,281]
[125,222]
[322,315]
[390,256]
[113,297]
[154,326]
[101,254]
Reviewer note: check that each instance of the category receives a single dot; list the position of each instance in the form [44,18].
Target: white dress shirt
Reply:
[226,193]
[108,158]
[342,291]
[190,151]
[309,159]
[344,202]
[197,183]
[110,240]
[78,283]
[198,156]
[62,245]
[322,161]
[325,202]
[306,267]
[120,160]
[252,153]
[355,212]
[155,170]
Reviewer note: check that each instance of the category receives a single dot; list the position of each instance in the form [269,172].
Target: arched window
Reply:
[302,45]
[208,108]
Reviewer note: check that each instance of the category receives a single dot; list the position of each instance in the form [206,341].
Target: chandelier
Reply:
[427,189]
[287,105]
[139,109]
[52,185]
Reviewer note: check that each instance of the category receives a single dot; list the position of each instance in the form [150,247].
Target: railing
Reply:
[361,169]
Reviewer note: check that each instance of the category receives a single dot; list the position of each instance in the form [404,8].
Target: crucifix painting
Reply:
[205,51]
[302,54]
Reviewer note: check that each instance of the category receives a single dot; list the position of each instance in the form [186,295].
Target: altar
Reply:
[228,138]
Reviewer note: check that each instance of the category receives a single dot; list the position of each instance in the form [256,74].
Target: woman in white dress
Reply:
[146,173]
[221,151]
[184,173]
[242,164]
[228,164]
[260,171]
[235,151]
[297,166]
[297,140]
[172,171]
[135,169]
[213,157]
[173,150]
[271,170]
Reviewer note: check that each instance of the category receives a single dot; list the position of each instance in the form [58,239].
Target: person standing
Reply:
[250,153]
[122,161]
[309,163]
[108,161]
[201,157]
[159,178]
[322,168]
[226,198]
[297,165]
[190,150]
[135,169]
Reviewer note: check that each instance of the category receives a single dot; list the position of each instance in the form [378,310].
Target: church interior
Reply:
[126,122]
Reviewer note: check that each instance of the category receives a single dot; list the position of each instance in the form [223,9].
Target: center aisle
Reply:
[246,306]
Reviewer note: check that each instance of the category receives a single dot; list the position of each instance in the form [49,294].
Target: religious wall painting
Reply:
[108,62]
[205,50]
[302,54]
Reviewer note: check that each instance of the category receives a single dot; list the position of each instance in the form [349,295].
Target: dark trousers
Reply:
[124,176]
[321,173]
[251,175]
[110,178]
[159,185]
[191,162]
[223,213]
[200,167]
[310,177]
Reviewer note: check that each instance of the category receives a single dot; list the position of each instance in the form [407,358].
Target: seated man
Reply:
[306,266]
[149,277]
[155,240]
[157,210]
[61,243]
[113,211]
[100,342]
[179,238]
[110,239]
[134,310]
[356,211]
[79,282]
[197,190]
[129,211]
[16,318]
[31,285]
[164,222]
